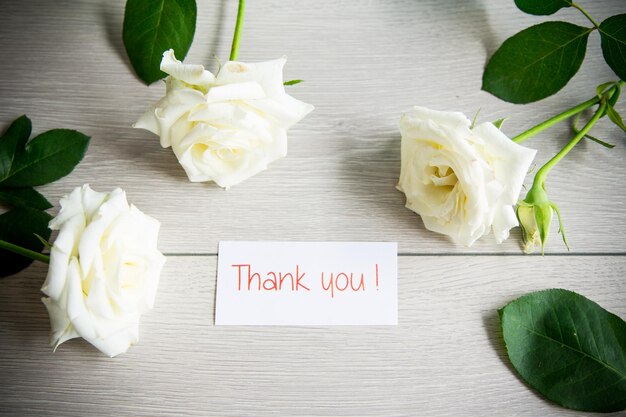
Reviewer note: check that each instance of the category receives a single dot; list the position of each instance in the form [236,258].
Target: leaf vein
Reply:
[608,366]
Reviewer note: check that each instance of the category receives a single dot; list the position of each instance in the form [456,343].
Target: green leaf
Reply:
[603,88]
[536,62]
[541,7]
[151,27]
[46,158]
[588,136]
[615,117]
[498,123]
[15,137]
[44,242]
[19,228]
[568,348]
[613,37]
[475,119]
[616,94]
[24,197]
[600,142]
[293,82]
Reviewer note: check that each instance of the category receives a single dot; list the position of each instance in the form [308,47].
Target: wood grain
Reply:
[364,63]
[445,357]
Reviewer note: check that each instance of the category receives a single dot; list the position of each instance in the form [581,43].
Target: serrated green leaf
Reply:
[615,117]
[541,7]
[46,158]
[153,26]
[568,348]
[19,227]
[293,82]
[613,40]
[24,197]
[536,62]
[15,137]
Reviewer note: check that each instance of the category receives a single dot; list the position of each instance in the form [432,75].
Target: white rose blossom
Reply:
[104,270]
[224,128]
[462,181]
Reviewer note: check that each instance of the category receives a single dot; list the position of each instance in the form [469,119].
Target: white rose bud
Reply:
[104,270]
[224,128]
[463,182]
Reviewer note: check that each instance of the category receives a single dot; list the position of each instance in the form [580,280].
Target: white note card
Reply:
[307,283]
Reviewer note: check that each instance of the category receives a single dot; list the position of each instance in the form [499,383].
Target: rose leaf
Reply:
[15,137]
[46,158]
[536,62]
[19,227]
[615,117]
[498,123]
[613,39]
[154,26]
[568,348]
[542,7]
[588,136]
[24,197]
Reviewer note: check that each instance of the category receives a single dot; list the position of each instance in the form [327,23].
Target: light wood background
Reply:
[366,62]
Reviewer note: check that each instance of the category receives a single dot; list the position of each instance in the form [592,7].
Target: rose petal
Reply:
[511,161]
[61,329]
[87,287]
[229,129]
[462,182]
[249,90]
[191,74]
[503,221]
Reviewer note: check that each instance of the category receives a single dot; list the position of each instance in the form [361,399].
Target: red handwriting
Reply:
[376,277]
[273,281]
[343,281]
[335,282]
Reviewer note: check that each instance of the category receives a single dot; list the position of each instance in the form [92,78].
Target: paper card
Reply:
[307,283]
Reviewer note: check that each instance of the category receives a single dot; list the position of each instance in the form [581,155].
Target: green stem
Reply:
[24,252]
[556,119]
[567,114]
[587,15]
[234,50]
[540,178]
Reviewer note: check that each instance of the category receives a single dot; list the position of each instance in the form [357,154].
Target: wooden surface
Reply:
[364,64]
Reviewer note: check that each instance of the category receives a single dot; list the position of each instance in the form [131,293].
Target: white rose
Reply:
[224,128]
[104,270]
[463,182]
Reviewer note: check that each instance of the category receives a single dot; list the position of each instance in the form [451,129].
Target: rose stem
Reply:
[24,252]
[554,120]
[583,11]
[540,178]
[234,50]
[562,116]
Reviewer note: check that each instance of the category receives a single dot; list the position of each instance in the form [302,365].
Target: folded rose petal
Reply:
[194,75]
[462,181]
[104,270]
[224,128]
